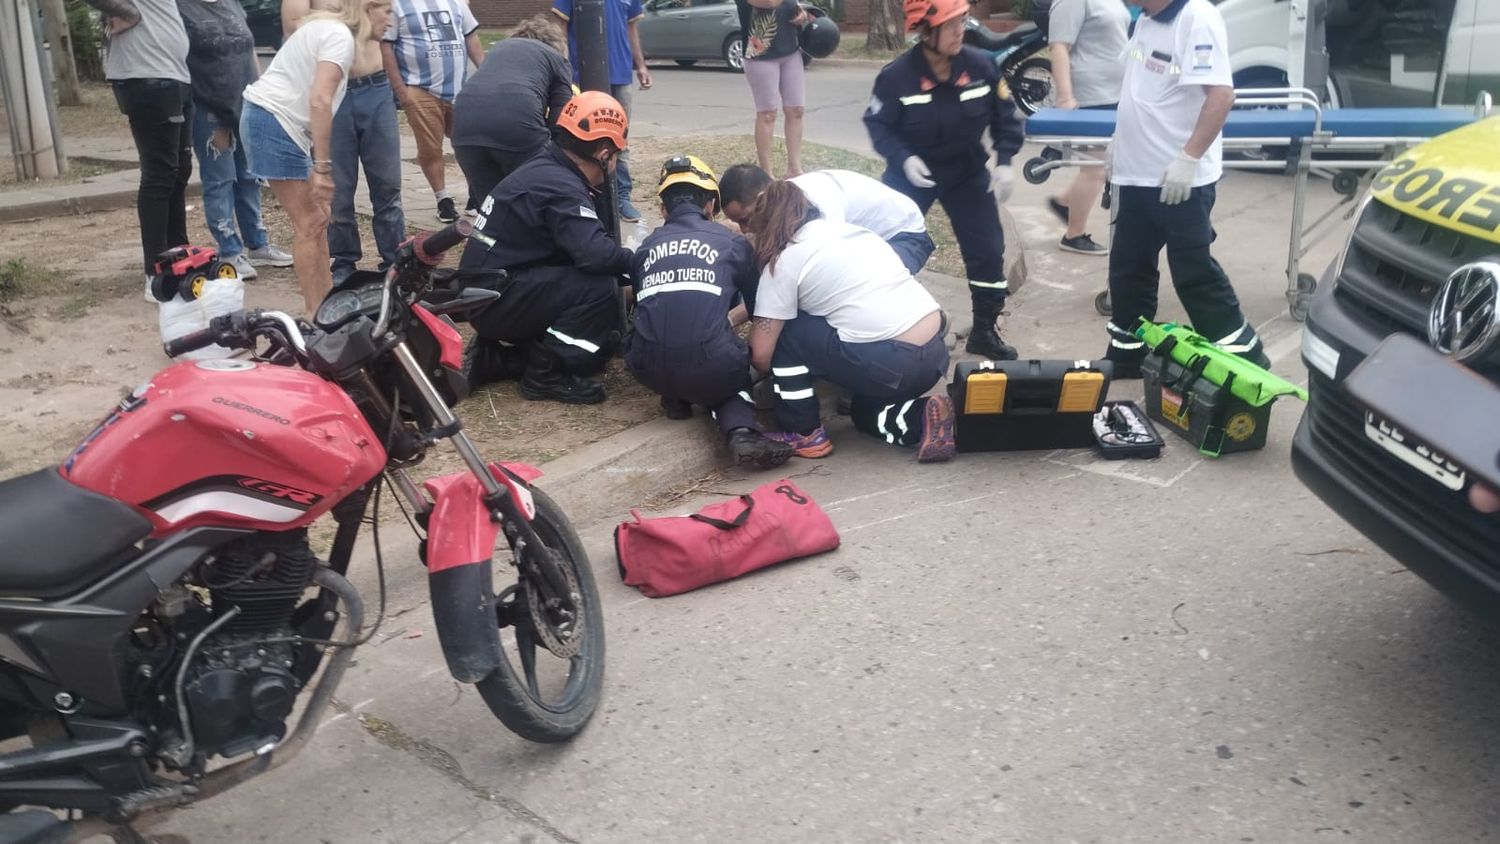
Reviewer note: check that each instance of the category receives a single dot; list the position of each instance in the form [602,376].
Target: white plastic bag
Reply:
[180,316]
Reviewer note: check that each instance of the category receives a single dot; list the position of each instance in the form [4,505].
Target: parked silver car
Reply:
[689,31]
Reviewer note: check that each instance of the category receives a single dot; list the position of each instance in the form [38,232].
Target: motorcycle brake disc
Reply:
[564,639]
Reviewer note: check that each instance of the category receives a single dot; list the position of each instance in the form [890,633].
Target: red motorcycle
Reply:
[160,605]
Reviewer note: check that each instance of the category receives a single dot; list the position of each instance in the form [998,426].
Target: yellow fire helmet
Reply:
[687,170]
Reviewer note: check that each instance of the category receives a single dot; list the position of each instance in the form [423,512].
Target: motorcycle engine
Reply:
[242,684]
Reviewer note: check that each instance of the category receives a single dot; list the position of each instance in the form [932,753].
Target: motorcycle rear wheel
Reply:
[1031,84]
[518,691]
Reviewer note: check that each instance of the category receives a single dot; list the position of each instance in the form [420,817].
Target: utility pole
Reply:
[25,92]
[593,75]
[64,71]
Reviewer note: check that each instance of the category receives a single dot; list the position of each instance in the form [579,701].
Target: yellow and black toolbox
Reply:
[1012,405]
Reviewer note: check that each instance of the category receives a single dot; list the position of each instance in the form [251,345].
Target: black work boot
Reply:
[1126,369]
[489,360]
[984,338]
[676,408]
[749,448]
[1259,358]
[546,380]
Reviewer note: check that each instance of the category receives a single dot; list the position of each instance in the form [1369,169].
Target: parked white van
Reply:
[1366,53]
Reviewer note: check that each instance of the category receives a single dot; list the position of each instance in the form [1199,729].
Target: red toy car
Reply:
[184,269]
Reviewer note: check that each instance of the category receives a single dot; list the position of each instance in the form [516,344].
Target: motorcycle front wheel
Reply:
[551,669]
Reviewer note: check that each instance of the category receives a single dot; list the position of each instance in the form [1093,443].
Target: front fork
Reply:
[510,504]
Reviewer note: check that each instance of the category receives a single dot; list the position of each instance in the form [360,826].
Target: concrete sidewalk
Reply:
[117,189]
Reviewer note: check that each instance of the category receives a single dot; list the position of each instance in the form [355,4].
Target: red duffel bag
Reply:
[676,554]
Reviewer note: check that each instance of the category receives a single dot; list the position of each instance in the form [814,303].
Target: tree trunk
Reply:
[60,42]
[887,25]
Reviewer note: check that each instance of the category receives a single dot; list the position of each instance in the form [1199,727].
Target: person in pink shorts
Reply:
[773,66]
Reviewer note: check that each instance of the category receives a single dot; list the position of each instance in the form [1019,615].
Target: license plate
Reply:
[1414,453]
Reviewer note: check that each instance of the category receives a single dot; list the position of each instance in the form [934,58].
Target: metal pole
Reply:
[592,43]
[59,158]
[13,116]
[64,69]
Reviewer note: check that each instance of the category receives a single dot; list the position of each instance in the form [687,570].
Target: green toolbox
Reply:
[1216,400]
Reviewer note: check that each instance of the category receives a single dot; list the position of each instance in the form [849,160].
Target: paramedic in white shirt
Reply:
[1165,158]
[834,302]
[842,196]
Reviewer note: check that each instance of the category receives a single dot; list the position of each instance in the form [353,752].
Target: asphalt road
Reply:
[1030,646]
[705,99]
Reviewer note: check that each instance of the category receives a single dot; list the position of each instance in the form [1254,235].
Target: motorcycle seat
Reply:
[985,38]
[56,536]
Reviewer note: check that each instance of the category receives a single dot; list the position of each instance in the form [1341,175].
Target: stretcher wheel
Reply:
[1102,303]
[1345,183]
[1299,300]
[1051,154]
[1033,175]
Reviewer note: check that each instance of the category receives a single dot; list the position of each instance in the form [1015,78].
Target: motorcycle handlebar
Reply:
[238,331]
[430,246]
[200,339]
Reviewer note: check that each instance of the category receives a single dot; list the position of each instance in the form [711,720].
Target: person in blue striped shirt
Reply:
[426,54]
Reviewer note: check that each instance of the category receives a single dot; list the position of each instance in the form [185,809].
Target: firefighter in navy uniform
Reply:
[929,110]
[552,323]
[687,276]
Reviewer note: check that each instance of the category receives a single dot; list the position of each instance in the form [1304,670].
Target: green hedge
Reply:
[88,41]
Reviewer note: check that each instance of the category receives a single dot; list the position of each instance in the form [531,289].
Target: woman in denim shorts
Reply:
[288,120]
[773,66]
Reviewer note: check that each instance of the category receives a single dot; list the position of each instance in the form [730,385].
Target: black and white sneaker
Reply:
[1082,245]
[447,211]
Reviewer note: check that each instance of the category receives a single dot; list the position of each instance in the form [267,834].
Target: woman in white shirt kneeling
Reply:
[835,302]
[288,120]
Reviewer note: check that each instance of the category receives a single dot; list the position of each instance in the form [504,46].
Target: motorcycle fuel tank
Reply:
[230,443]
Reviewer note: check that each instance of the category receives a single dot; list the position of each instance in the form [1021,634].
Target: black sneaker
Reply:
[749,448]
[1059,209]
[1082,245]
[676,408]
[447,211]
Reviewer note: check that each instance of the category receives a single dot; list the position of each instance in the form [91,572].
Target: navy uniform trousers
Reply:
[976,225]
[714,374]
[1143,225]
[887,378]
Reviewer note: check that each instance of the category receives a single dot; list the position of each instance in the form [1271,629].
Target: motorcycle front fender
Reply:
[460,546]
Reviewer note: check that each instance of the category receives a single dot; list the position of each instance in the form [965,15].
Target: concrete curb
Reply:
[871,63]
[606,479]
[80,198]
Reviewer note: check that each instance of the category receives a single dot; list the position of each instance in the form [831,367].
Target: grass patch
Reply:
[69,297]
[721,151]
[855,47]
[20,278]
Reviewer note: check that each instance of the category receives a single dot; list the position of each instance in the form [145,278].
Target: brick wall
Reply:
[506,13]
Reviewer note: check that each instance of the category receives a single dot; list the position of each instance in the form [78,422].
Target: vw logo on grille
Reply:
[1464,322]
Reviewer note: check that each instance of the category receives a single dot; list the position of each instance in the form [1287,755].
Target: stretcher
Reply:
[1282,129]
